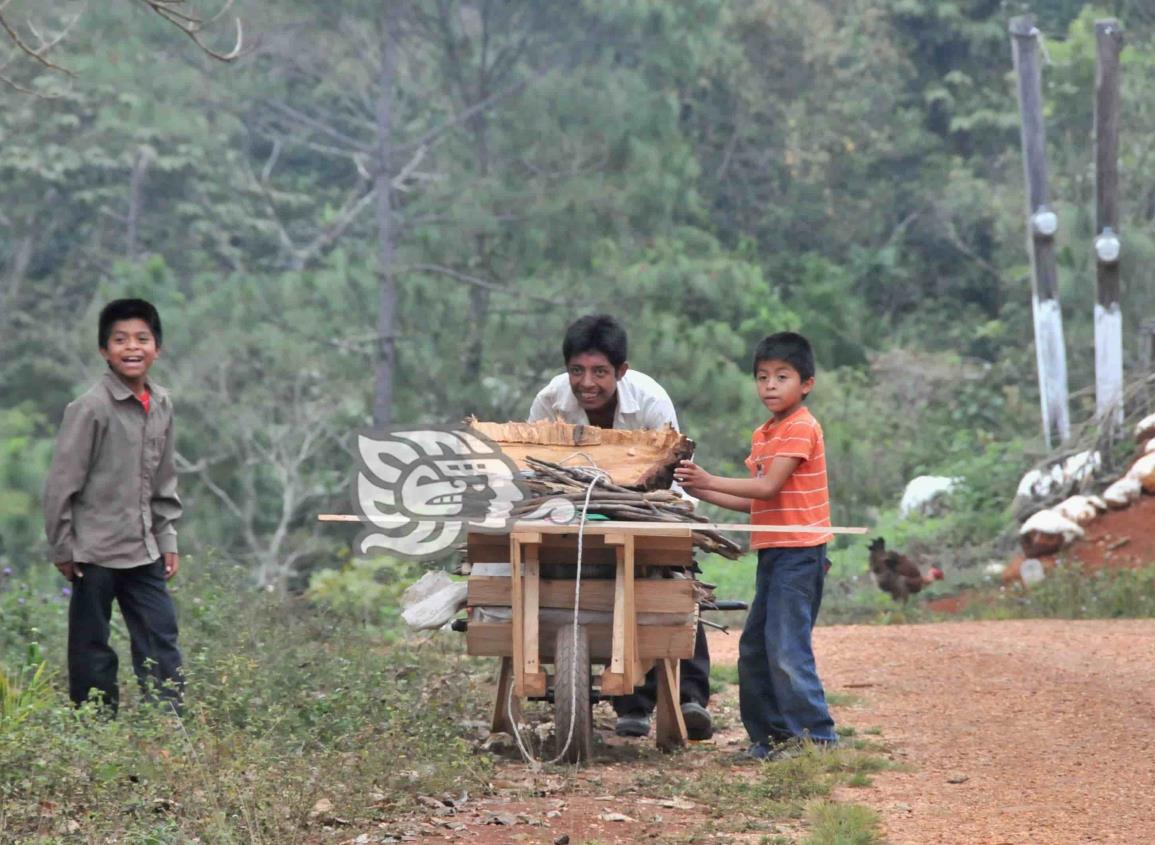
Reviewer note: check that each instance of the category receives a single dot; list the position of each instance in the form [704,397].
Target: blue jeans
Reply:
[779,693]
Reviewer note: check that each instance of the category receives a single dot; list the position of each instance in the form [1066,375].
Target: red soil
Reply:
[1123,539]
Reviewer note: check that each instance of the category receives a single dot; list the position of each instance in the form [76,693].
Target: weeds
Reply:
[784,789]
[24,692]
[842,824]
[287,705]
[1069,592]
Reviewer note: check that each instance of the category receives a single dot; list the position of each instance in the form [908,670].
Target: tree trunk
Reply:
[383,206]
[478,297]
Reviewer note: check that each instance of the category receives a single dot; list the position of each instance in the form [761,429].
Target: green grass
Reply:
[287,704]
[843,699]
[842,824]
[734,579]
[23,693]
[1071,593]
[721,677]
[781,789]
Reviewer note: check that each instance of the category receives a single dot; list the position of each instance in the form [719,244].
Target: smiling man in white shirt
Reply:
[599,388]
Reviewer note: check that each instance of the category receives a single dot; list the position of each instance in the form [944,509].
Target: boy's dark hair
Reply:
[596,333]
[128,309]
[790,347]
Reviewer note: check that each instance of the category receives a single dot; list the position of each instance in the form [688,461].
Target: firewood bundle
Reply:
[553,481]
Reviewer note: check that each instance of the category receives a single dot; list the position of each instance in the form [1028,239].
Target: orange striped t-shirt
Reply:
[803,499]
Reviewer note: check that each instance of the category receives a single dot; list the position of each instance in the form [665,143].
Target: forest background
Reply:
[388,212]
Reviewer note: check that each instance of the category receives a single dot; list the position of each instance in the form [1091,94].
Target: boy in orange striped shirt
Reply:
[780,695]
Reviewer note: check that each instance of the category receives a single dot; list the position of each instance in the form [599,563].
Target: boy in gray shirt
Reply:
[110,513]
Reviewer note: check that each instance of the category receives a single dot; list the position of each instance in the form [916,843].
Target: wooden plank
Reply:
[642,458]
[670,727]
[533,680]
[518,630]
[562,549]
[614,683]
[633,664]
[611,526]
[532,605]
[501,704]
[651,595]
[618,649]
[622,672]
[494,639]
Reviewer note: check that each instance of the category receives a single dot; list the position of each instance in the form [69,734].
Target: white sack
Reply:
[433,600]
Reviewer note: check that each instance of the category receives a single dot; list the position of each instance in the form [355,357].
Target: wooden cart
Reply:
[625,649]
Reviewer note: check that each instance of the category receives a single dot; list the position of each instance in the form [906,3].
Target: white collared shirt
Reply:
[642,403]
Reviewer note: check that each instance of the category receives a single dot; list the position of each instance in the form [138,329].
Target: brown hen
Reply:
[897,574]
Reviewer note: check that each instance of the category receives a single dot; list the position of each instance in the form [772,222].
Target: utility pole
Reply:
[1042,223]
[1108,317]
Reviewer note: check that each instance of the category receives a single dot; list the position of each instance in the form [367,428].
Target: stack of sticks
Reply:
[554,481]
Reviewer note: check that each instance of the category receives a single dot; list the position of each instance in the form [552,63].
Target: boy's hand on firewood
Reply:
[692,477]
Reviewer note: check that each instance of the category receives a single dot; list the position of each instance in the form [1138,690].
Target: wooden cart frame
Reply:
[627,650]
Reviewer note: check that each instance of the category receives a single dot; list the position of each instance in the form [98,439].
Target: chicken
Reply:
[897,574]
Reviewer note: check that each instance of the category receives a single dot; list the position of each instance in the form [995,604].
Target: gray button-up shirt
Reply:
[110,498]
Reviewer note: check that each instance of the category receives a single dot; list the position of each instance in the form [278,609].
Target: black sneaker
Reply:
[632,726]
[699,723]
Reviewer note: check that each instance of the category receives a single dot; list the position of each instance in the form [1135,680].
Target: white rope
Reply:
[585,455]
[526,753]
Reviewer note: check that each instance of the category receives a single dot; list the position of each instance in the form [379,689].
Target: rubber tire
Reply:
[572,695]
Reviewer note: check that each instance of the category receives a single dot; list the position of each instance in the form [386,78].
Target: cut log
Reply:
[642,459]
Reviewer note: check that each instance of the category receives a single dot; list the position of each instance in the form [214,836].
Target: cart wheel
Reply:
[572,694]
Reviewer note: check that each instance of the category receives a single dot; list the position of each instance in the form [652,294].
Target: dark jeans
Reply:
[150,616]
[779,693]
[694,682]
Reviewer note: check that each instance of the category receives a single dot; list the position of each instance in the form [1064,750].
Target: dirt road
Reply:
[1027,732]
[1005,733]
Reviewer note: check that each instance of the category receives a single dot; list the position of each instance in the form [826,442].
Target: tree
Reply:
[35,39]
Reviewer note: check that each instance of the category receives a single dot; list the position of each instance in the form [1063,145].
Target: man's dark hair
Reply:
[128,309]
[596,333]
[790,347]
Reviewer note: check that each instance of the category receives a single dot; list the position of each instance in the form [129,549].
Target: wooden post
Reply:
[1041,223]
[670,730]
[517,622]
[525,572]
[621,675]
[1108,317]
[500,723]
